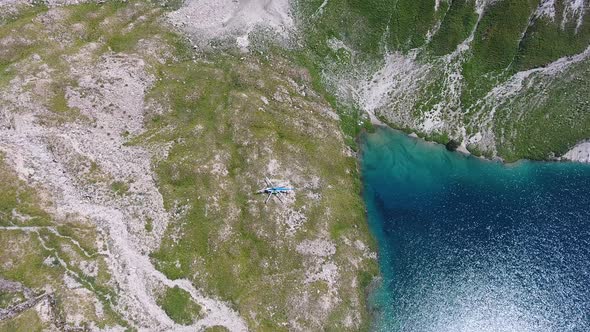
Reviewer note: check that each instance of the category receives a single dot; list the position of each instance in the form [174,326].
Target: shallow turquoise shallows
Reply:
[473,245]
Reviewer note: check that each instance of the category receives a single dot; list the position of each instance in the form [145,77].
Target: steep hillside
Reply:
[130,162]
[506,78]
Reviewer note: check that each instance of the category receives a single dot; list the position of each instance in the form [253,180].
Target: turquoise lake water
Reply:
[473,245]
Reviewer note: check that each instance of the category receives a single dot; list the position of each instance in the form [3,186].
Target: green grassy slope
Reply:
[179,306]
[229,119]
[554,113]
[508,37]
[546,41]
[455,27]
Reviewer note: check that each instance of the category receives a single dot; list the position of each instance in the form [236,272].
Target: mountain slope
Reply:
[461,69]
[130,163]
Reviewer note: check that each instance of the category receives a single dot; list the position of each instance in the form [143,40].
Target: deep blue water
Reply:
[473,245]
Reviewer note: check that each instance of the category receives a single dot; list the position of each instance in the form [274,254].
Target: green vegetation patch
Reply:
[8,299]
[410,22]
[456,26]
[16,49]
[498,34]
[548,118]
[179,306]
[19,204]
[495,46]
[371,26]
[119,187]
[26,321]
[216,329]
[546,41]
[228,118]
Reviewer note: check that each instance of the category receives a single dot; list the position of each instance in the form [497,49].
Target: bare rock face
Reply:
[210,20]
[580,152]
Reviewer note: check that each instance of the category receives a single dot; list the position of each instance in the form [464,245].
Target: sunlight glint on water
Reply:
[471,245]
